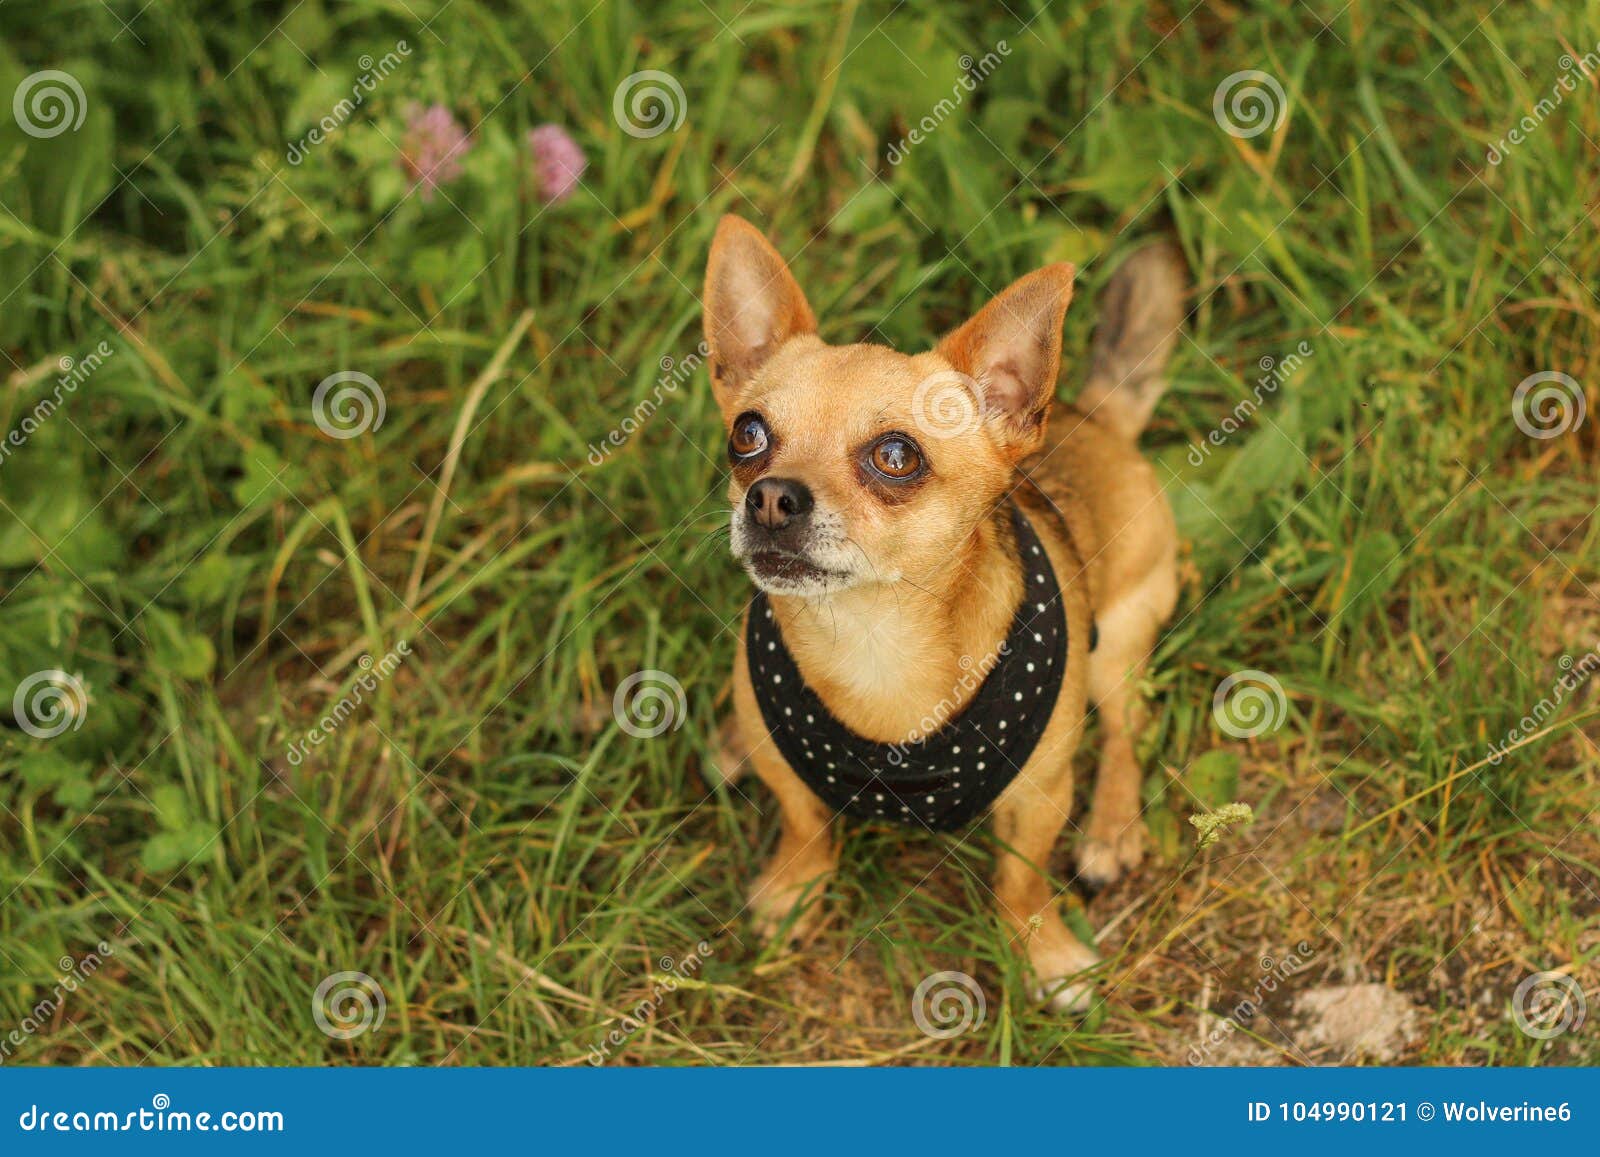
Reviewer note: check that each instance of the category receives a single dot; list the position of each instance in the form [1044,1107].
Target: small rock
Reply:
[1355,1021]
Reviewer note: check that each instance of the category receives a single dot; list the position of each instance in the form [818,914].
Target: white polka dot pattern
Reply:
[952,776]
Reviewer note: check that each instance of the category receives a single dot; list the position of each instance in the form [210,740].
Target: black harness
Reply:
[947,774]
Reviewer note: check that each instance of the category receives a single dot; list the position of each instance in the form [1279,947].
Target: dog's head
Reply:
[856,464]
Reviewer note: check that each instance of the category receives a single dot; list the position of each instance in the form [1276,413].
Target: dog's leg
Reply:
[1114,835]
[1028,819]
[1113,839]
[807,853]
[806,856]
[799,869]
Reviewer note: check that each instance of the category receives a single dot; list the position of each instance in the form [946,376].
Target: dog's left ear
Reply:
[752,305]
[1012,349]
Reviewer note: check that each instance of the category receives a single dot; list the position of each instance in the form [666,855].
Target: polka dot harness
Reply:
[944,779]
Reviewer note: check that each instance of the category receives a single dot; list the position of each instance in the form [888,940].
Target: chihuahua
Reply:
[950,568]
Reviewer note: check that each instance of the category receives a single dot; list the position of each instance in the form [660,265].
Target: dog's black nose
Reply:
[776,502]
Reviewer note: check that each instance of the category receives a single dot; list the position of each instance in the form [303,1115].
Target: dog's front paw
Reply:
[782,905]
[1059,971]
[1103,859]
[1064,994]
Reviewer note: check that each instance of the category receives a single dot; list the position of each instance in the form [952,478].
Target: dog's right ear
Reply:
[752,305]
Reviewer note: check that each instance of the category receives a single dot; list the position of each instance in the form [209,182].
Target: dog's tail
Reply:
[1139,325]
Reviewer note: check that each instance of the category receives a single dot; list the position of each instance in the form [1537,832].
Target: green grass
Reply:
[480,837]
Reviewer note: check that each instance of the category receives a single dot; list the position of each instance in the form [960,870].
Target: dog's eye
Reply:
[749,437]
[896,456]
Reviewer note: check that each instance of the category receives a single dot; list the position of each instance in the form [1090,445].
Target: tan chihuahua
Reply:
[924,540]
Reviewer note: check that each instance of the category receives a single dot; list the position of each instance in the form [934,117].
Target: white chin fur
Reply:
[826,550]
[819,588]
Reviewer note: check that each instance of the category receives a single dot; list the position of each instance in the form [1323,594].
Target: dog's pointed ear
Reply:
[1011,349]
[752,305]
